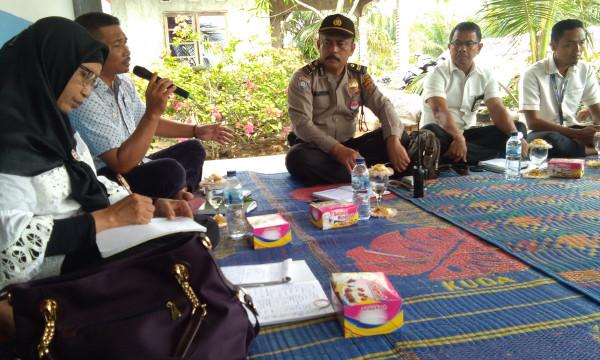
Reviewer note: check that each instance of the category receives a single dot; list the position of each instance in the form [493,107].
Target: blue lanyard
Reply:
[559,98]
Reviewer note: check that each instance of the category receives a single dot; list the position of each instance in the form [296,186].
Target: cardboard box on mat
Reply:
[366,303]
[333,214]
[566,168]
[269,230]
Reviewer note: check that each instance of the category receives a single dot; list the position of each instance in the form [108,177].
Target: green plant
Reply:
[303,25]
[515,18]
[416,86]
[381,38]
[511,99]
[245,92]
[430,34]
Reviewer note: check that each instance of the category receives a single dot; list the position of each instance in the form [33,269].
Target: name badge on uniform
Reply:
[354,105]
[353,86]
[303,82]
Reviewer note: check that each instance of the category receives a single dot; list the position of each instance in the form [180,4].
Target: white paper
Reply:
[294,301]
[121,238]
[258,275]
[302,298]
[499,164]
[340,193]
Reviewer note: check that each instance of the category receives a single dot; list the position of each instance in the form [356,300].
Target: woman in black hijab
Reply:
[51,203]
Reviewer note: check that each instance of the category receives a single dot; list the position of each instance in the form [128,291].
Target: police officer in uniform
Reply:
[324,99]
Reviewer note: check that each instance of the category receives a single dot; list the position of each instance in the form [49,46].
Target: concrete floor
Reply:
[263,164]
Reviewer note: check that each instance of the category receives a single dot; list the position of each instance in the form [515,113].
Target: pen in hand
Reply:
[123,182]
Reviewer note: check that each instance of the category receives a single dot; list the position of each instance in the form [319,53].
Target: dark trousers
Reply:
[483,143]
[314,166]
[170,170]
[562,146]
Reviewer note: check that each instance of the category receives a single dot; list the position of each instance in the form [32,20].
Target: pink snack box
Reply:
[270,230]
[366,303]
[566,168]
[333,214]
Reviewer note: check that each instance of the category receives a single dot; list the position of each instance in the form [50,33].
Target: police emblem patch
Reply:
[353,86]
[303,82]
[369,84]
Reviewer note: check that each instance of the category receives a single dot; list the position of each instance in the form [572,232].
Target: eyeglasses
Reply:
[90,77]
[468,44]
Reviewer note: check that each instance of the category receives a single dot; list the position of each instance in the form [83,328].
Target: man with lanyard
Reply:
[552,90]
[324,99]
[118,128]
[452,94]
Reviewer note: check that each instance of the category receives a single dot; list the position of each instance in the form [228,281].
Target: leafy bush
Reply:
[244,92]
[511,97]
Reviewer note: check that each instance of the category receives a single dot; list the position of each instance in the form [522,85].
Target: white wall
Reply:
[33,10]
[17,15]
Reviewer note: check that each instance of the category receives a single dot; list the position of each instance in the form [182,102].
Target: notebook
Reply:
[498,165]
[299,298]
[340,193]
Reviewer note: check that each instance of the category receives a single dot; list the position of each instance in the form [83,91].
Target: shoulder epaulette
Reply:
[311,67]
[357,68]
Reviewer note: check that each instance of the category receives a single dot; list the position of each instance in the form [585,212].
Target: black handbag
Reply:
[170,301]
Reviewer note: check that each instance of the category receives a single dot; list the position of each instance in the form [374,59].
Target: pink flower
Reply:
[189,120]
[178,106]
[216,113]
[249,128]
[286,90]
[286,129]
[181,139]
[251,85]
[247,98]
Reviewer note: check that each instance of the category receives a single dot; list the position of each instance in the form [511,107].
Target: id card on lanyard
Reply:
[559,96]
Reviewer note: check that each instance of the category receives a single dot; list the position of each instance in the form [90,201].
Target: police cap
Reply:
[338,24]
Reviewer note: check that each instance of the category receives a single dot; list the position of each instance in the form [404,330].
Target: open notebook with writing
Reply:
[299,298]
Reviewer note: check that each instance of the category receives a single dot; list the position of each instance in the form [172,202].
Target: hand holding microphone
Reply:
[147,74]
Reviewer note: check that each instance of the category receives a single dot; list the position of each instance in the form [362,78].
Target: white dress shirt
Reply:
[460,91]
[536,91]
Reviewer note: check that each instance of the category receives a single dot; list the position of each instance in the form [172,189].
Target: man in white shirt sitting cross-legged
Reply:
[452,94]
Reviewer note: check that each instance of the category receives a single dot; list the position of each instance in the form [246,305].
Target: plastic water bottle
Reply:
[234,202]
[513,157]
[360,189]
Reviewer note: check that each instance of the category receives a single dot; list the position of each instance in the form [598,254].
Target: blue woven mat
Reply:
[463,297]
[550,224]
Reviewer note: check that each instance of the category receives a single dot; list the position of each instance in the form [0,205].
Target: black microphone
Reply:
[147,74]
[418,173]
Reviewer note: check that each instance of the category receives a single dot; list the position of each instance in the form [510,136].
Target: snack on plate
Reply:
[383,212]
[212,181]
[540,143]
[592,163]
[221,220]
[536,174]
[381,170]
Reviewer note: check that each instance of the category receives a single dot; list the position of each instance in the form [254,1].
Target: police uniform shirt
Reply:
[323,109]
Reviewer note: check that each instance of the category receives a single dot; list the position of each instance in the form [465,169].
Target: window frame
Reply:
[198,56]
